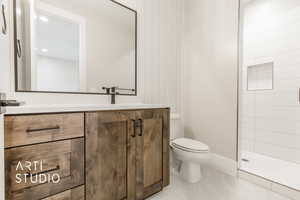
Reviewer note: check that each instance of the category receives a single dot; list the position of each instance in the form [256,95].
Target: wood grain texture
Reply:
[153,189]
[131,161]
[28,129]
[65,158]
[153,151]
[73,194]
[122,161]
[106,155]
[166,147]
[139,157]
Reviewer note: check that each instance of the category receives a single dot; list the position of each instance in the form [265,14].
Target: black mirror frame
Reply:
[16,53]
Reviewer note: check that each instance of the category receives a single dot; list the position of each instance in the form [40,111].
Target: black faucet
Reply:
[113,92]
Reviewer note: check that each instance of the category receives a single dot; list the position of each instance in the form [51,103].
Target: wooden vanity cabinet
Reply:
[127,154]
[105,155]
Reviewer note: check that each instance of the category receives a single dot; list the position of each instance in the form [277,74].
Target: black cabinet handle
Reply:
[28,174]
[137,124]
[134,129]
[42,129]
[4,27]
[141,127]
[19,49]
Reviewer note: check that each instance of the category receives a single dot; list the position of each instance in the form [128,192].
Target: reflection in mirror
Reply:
[74,46]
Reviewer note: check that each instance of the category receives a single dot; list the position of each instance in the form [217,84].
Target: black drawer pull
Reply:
[141,125]
[42,129]
[28,174]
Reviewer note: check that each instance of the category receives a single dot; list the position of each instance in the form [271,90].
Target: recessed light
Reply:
[43,19]
[44,50]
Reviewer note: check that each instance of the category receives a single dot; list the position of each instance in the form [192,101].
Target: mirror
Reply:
[75,46]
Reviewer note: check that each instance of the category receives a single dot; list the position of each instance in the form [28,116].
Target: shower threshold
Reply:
[279,171]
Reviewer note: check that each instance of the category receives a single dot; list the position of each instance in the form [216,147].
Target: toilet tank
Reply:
[176,128]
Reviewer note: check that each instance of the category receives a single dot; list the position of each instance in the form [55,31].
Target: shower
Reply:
[269,107]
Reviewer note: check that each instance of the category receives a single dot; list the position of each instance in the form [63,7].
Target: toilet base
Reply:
[191,172]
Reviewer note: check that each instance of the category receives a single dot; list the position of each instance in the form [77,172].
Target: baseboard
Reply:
[223,164]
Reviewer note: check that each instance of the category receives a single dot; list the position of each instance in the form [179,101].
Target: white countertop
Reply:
[33,109]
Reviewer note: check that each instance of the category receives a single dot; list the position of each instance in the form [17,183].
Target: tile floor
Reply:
[215,186]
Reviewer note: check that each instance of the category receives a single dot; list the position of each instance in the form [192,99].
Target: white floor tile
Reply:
[215,186]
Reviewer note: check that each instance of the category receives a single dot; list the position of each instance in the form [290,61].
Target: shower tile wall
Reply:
[270,119]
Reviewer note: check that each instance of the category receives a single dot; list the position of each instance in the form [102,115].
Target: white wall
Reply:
[270,119]
[162,25]
[210,74]
[110,60]
[160,44]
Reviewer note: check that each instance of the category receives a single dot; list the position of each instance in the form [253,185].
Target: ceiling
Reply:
[57,37]
[105,8]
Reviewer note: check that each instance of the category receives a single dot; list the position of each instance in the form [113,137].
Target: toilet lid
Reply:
[190,145]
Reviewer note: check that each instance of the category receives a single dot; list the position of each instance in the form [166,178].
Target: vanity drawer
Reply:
[73,194]
[39,171]
[32,129]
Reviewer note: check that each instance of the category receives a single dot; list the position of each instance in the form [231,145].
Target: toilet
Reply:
[191,154]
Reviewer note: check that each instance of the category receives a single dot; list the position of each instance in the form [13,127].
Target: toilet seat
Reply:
[190,145]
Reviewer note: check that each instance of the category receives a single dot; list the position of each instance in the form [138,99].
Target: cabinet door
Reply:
[152,152]
[106,155]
